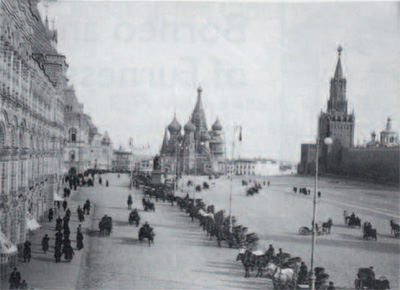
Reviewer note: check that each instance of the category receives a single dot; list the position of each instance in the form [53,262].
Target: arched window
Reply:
[72,156]
[72,135]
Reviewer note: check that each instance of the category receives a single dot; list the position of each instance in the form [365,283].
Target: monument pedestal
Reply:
[157,177]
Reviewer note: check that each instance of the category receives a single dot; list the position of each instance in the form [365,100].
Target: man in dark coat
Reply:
[57,253]
[27,251]
[303,273]
[50,215]
[79,241]
[65,204]
[45,243]
[87,206]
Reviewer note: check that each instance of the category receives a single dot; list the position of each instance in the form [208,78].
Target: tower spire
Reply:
[338,72]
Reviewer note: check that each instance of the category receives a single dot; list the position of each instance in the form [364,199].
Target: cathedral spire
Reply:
[198,115]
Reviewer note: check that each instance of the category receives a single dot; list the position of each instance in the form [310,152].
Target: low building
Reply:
[253,167]
[122,161]
[144,164]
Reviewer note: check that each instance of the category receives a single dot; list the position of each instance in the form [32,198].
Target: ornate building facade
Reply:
[32,78]
[196,151]
[376,161]
[84,147]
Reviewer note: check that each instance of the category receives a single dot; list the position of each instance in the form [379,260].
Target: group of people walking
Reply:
[15,280]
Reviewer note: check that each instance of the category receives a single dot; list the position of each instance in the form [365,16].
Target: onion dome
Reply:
[205,136]
[174,127]
[189,127]
[217,126]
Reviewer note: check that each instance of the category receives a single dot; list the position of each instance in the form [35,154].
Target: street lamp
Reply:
[230,194]
[327,141]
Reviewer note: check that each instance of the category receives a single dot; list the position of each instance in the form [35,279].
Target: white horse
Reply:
[281,276]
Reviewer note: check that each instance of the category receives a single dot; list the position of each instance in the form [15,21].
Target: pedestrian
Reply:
[45,243]
[68,252]
[57,253]
[79,229]
[59,224]
[50,215]
[130,201]
[106,183]
[100,180]
[68,213]
[81,217]
[79,241]
[65,204]
[79,210]
[23,285]
[67,232]
[268,183]
[27,251]
[66,222]
[13,280]
[88,206]
[319,194]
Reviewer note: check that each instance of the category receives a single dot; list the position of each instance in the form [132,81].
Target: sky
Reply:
[263,66]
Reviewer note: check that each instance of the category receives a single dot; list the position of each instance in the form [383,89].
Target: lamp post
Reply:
[233,166]
[327,141]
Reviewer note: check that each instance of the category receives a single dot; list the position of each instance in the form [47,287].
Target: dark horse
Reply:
[395,228]
[146,233]
[248,261]
[326,227]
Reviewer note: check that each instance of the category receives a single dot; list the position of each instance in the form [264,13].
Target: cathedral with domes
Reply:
[196,150]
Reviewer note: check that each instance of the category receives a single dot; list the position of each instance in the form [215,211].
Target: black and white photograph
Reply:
[199,144]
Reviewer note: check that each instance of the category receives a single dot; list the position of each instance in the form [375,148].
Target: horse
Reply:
[146,233]
[395,228]
[326,227]
[281,276]
[248,260]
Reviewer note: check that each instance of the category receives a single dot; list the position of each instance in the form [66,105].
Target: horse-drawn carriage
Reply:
[146,232]
[134,218]
[351,220]
[325,229]
[369,232]
[253,190]
[148,205]
[105,226]
[366,280]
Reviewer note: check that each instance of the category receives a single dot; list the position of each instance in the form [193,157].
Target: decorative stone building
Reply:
[32,80]
[198,150]
[85,148]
